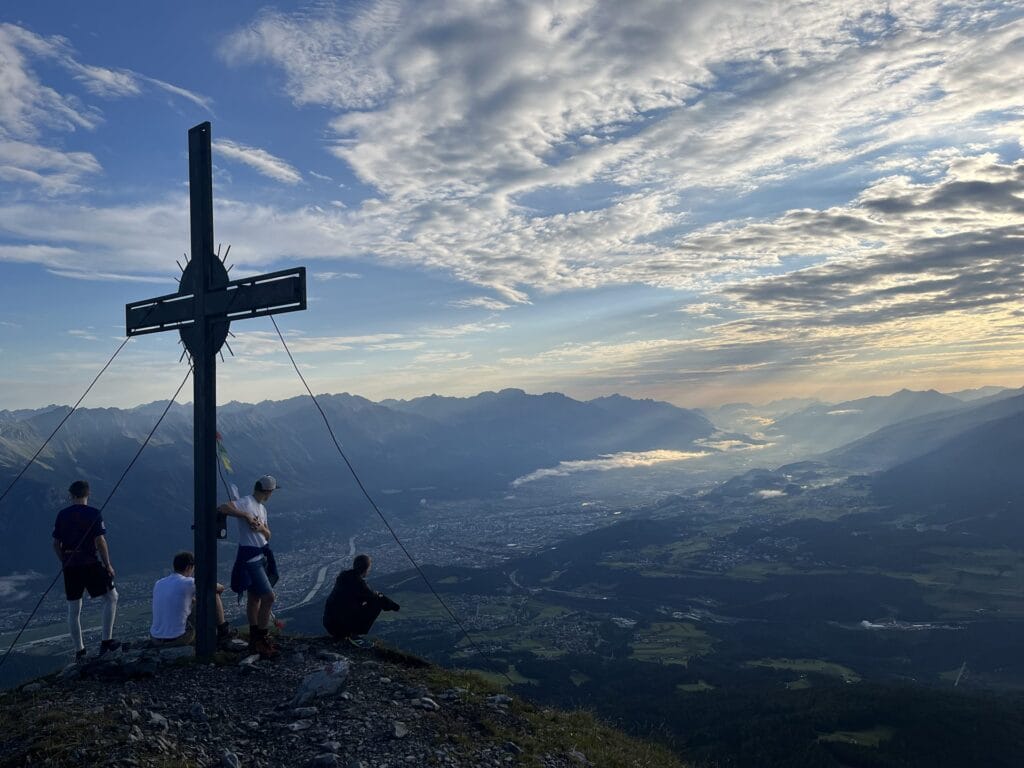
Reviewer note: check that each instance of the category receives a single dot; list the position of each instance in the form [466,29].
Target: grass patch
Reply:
[871,737]
[554,732]
[813,666]
[499,679]
[670,643]
[697,687]
[578,678]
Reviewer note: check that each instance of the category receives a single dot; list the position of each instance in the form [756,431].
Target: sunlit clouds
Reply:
[699,202]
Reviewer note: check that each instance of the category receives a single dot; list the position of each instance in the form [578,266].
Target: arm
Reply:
[101,546]
[58,550]
[230,510]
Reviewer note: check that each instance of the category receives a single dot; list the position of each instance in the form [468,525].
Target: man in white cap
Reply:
[255,570]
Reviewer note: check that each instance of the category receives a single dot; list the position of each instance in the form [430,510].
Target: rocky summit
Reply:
[318,704]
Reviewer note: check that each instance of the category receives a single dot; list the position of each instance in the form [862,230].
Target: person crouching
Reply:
[352,606]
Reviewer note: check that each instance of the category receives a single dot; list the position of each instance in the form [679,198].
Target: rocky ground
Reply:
[318,704]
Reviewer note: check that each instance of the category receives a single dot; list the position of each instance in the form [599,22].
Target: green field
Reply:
[815,666]
[670,643]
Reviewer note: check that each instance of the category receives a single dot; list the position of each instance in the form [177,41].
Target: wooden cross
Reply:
[202,311]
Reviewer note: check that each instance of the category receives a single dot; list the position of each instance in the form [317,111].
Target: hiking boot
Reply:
[80,655]
[359,642]
[109,645]
[263,648]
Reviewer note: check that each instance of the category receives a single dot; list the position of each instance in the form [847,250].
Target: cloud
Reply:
[29,108]
[324,277]
[198,99]
[261,160]
[12,586]
[459,114]
[625,460]
[480,302]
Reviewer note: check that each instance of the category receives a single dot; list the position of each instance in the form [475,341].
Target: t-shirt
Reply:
[76,529]
[172,603]
[247,537]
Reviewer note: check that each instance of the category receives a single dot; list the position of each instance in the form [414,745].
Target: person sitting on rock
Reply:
[173,599]
[352,606]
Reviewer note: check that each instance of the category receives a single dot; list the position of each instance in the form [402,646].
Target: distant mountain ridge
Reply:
[440,447]
[822,427]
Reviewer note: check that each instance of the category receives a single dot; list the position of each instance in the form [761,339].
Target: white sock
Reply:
[75,623]
[109,612]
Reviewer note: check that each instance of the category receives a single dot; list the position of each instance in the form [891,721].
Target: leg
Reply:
[109,613]
[266,604]
[252,607]
[363,619]
[75,623]
[220,609]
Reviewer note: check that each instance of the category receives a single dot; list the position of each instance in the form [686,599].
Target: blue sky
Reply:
[700,202]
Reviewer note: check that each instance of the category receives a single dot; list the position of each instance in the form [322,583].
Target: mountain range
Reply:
[441,447]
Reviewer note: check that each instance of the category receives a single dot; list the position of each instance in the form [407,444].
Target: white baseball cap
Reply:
[267,483]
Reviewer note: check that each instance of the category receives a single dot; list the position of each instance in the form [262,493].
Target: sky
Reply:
[697,202]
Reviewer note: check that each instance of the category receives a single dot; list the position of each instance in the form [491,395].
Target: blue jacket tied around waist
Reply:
[240,579]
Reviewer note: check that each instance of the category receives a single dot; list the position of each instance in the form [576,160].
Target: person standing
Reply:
[353,606]
[80,543]
[255,570]
[173,599]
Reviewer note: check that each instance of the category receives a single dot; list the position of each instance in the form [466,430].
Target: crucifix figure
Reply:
[201,311]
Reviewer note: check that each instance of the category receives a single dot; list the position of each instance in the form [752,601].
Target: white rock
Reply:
[325,682]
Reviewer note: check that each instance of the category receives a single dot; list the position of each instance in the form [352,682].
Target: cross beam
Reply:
[201,311]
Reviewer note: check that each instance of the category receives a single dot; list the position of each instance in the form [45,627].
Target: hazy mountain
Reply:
[750,418]
[403,450]
[915,437]
[974,480]
[823,427]
[967,395]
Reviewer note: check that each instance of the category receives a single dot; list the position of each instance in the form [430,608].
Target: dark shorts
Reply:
[259,582]
[79,578]
[186,638]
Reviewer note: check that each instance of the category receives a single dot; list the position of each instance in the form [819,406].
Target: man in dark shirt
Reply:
[352,606]
[81,546]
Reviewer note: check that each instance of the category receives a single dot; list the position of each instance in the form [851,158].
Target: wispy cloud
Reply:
[260,160]
[607,462]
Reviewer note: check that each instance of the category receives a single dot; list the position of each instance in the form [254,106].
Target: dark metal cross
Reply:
[201,311]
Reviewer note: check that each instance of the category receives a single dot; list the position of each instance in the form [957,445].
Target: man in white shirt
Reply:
[173,598]
[255,570]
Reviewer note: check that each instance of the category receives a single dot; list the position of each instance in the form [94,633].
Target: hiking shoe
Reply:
[263,648]
[80,655]
[109,645]
[360,642]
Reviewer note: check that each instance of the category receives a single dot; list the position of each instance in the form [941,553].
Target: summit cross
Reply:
[201,311]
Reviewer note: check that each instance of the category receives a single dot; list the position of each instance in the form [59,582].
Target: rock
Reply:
[511,746]
[32,687]
[198,713]
[230,760]
[426,703]
[298,725]
[177,652]
[71,672]
[384,680]
[135,734]
[326,760]
[304,712]
[325,682]
[579,757]
[499,700]
[249,661]
[329,656]
[134,716]
[399,729]
[331,746]
[158,721]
